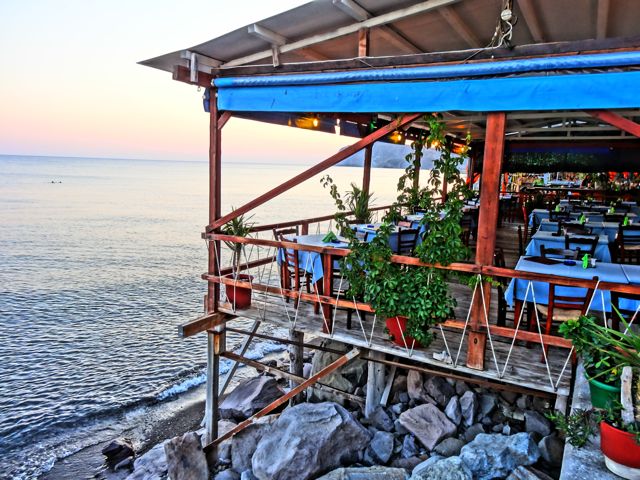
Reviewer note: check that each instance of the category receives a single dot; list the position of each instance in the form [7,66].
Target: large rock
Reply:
[552,450]
[223,452]
[381,447]
[381,420]
[425,465]
[185,458]
[453,411]
[527,473]
[449,447]
[150,466]
[452,468]
[428,424]
[495,456]
[472,432]
[488,402]
[227,475]
[117,451]
[409,447]
[367,473]
[250,397]
[415,387]
[469,407]
[536,422]
[244,443]
[308,440]
[347,378]
[439,389]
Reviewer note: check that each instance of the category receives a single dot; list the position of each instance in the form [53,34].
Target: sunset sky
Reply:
[70,85]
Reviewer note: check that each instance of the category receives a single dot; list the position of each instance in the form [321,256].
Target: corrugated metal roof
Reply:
[443,25]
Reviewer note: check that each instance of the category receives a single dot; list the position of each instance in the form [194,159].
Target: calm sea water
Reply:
[97,269]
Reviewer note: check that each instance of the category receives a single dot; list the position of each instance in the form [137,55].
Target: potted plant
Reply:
[595,344]
[412,299]
[357,201]
[239,297]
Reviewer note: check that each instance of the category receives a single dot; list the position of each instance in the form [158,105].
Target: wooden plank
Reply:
[384,400]
[318,168]
[251,264]
[375,382]
[295,379]
[343,360]
[296,360]
[243,349]
[215,189]
[363,42]
[456,22]
[202,324]
[602,19]
[531,19]
[534,50]
[366,169]
[617,120]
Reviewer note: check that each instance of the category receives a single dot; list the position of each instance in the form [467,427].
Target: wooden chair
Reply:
[278,234]
[404,224]
[590,243]
[628,242]
[498,261]
[563,253]
[576,229]
[627,314]
[466,222]
[407,239]
[561,308]
[291,276]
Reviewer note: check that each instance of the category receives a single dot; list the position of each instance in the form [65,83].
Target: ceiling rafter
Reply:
[532,20]
[389,35]
[456,22]
[276,41]
[373,22]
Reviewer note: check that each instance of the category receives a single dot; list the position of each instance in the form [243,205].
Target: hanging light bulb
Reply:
[315,122]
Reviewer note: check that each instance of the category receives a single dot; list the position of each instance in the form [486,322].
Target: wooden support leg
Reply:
[384,401]
[296,360]
[375,382]
[243,348]
[215,346]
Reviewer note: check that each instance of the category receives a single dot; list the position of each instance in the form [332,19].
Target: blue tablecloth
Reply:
[610,272]
[371,230]
[311,262]
[610,229]
[548,240]
[633,273]
[539,214]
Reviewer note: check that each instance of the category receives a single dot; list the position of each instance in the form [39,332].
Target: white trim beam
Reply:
[373,22]
[203,63]
[269,36]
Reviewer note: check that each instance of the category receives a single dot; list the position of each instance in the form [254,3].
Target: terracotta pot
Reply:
[240,297]
[397,326]
[621,452]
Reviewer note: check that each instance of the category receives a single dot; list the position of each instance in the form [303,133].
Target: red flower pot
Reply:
[239,297]
[396,327]
[619,446]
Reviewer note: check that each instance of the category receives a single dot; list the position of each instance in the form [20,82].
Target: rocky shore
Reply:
[433,428]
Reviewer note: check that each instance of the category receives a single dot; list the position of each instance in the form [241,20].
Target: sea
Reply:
[100,261]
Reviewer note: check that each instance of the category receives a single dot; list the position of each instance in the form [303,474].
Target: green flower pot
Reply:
[603,394]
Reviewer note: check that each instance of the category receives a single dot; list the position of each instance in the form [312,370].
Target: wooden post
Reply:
[363,42]
[366,173]
[296,360]
[327,286]
[487,224]
[375,382]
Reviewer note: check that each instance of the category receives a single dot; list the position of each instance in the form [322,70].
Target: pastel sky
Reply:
[70,84]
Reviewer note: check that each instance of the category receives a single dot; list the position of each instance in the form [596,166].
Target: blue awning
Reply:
[524,93]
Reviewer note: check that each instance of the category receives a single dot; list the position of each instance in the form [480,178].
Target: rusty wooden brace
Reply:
[290,376]
[343,360]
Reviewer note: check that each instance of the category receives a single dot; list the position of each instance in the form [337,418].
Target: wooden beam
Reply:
[363,42]
[182,74]
[375,382]
[388,34]
[487,224]
[343,360]
[456,22]
[246,342]
[366,169]
[531,19]
[320,167]
[384,19]
[224,118]
[202,324]
[534,50]
[617,120]
[602,18]
[269,36]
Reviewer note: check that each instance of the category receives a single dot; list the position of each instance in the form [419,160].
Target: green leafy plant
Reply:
[358,201]
[576,428]
[238,227]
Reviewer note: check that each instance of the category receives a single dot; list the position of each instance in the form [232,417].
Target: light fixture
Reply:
[315,122]
[397,136]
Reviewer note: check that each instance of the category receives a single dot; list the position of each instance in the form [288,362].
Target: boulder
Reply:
[185,458]
[552,450]
[406,463]
[248,475]
[366,473]
[439,389]
[250,397]
[536,422]
[495,455]
[308,440]
[227,475]
[528,473]
[423,466]
[223,452]
[469,407]
[415,387]
[428,424]
[452,410]
[449,447]
[347,378]
[381,420]
[150,466]
[381,447]
[472,432]
[244,443]
[488,402]
[452,468]
[461,387]
[409,447]
[117,451]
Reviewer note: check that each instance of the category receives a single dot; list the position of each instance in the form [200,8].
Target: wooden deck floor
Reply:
[525,367]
